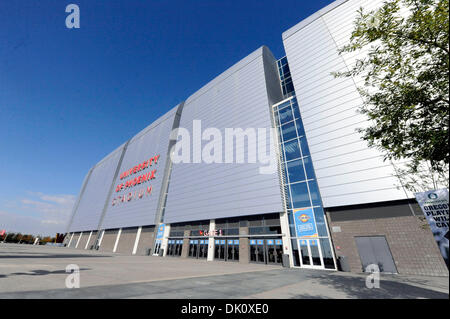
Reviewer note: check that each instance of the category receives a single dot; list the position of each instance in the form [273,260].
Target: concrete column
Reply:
[243,245]
[287,247]
[117,240]
[78,241]
[212,226]
[101,238]
[71,237]
[165,239]
[89,238]
[185,249]
[136,242]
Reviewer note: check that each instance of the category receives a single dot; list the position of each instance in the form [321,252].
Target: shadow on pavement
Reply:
[52,256]
[39,272]
[355,288]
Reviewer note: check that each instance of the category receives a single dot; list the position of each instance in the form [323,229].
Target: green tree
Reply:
[405,76]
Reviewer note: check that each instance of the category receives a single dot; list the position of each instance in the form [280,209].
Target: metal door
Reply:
[375,250]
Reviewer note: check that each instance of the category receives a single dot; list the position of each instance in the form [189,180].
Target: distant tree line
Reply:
[17,238]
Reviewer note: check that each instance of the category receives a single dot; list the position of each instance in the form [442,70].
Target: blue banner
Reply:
[160,233]
[278,242]
[305,225]
[252,242]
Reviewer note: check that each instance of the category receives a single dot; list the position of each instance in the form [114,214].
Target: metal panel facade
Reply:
[136,210]
[89,210]
[240,97]
[348,171]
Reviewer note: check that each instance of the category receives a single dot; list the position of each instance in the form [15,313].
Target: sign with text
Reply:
[305,224]
[160,232]
[434,205]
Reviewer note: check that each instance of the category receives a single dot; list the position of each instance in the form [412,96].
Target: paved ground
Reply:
[39,272]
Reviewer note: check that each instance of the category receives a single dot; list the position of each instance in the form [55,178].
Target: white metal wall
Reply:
[153,140]
[238,98]
[92,201]
[348,171]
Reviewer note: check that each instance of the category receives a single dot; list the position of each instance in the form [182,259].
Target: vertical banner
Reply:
[434,205]
[305,224]
[160,232]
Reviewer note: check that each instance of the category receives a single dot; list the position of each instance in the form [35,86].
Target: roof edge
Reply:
[286,34]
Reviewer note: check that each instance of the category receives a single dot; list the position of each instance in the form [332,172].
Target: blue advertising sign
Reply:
[278,242]
[222,242]
[230,242]
[160,233]
[305,225]
[269,241]
[260,242]
[236,242]
[202,242]
[252,242]
[217,242]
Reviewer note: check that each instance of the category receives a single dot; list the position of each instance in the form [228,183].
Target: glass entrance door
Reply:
[203,249]
[193,248]
[219,249]
[157,248]
[274,251]
[310,253]
[266,251]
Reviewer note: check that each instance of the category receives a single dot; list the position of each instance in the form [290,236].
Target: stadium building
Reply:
[328,194]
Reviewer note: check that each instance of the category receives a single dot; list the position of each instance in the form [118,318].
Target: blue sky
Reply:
[68,97]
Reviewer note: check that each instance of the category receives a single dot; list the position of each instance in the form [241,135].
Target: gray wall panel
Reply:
[88,213]
[83,240]
[145,240]
[241,97]
[92,240]
[151,141]
[126,241]
[109,240]
[348,171]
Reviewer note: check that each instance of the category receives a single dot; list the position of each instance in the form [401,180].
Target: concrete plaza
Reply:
[40,272]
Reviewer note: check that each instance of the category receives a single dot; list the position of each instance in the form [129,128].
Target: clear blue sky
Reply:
[68,97]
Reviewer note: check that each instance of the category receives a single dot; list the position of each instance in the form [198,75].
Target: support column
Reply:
[185,249]
[136,242]
[211,242]
[287,247]
[78,241]
[71,237]
[89,238]
[117,240]
[165,239]
[244,245]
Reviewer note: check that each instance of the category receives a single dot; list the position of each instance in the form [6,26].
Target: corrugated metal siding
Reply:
[238,98]
[153,140]
[348,171]
[88,213]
